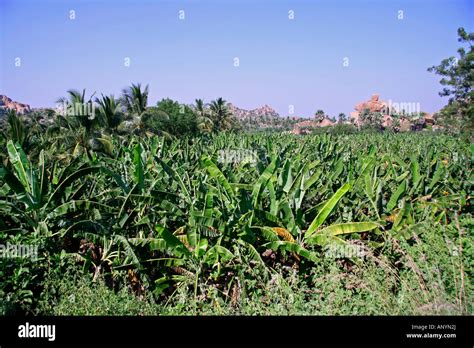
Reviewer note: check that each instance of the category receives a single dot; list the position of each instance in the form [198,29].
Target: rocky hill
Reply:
[260,112]
[6,103]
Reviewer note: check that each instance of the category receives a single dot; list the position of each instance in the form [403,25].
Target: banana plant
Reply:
[36,197]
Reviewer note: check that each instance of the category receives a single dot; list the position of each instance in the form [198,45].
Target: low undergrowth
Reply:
[429,278]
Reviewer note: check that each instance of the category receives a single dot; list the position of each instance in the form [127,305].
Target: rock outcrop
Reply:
[6,103]
[305,127]
[373,105]
[242,114]
[428,118]
[390,119]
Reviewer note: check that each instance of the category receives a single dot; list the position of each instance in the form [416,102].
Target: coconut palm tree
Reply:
[78,111]
[203,120]
[108,112]
[78,125]
[134,99]
[220,115]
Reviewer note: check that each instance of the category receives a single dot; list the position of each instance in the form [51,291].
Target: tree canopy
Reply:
[457,81]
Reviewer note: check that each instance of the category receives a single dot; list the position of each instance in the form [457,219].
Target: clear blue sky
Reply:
[282,62]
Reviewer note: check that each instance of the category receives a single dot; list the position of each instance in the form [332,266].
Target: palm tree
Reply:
[220,114]
[78,111]
[134,99]
[109,114]
[203,120]
[80,121]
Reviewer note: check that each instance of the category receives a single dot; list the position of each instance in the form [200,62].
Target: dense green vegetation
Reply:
[187,225]
[457,81]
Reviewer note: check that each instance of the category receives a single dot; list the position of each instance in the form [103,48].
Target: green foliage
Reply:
[203,117]
[109,112]
[16,128]
[74,293]
[374,286]
[180,118]
[337,129]
[171,220]
[79,111]
[457,82]
[134,99]
[220,115]
[371,120]
[154,119]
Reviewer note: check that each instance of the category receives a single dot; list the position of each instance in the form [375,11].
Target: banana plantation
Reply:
[146,223]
